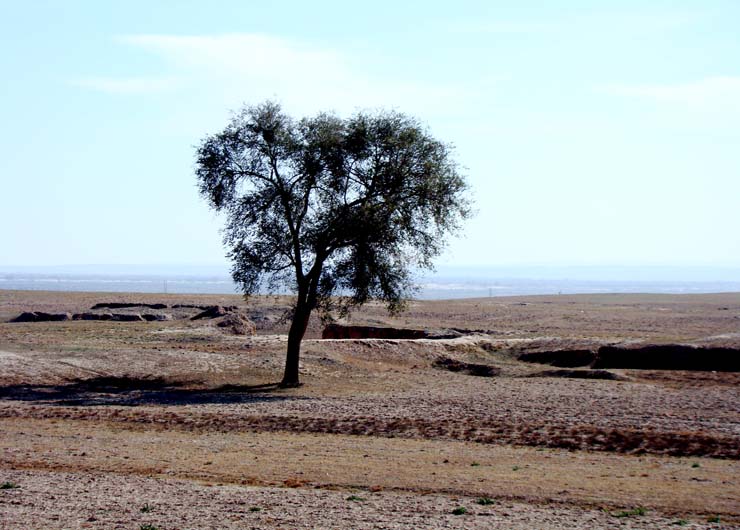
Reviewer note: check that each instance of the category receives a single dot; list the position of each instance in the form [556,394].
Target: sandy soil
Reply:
[186,417]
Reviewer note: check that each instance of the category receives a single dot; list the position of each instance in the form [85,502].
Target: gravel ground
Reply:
[628,416]
[86,500]
[60,383]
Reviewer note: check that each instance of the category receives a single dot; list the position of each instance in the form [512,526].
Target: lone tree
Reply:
[330,206]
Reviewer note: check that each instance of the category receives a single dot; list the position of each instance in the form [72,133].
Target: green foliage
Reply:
[631,513]
[341,204]
[515,468]
[147,508]
[714,519]
[475,464]
[255,509]
[680,522]
[696,464]
[148,526]
[9,486]
[460,510]
[485,501]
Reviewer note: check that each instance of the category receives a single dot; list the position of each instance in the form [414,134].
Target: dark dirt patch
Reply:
[560,358]
[580,374]
[40,316]
[480,370]
[131,391]
[125,305]
[669,357]
[215,311]
[338,331]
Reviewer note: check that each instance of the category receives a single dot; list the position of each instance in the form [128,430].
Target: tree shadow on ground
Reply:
[132,391]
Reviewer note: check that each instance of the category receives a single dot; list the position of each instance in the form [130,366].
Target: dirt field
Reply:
[178,423]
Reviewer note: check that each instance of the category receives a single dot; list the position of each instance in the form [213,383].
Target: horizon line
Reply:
[534,264]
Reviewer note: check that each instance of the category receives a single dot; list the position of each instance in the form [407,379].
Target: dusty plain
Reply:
[179,424]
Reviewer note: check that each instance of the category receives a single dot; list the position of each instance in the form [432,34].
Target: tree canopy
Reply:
[330,206]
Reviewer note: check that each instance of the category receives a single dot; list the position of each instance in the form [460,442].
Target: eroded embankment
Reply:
[669,357]
[642,357]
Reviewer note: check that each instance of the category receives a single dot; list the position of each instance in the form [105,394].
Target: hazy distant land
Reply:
[447,282]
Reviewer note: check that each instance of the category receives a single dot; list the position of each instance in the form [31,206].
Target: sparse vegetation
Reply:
[680,522]
[355,498]
[9,486]
[148,526]
[460,510]
[438,426]
[635,512]
[713,519]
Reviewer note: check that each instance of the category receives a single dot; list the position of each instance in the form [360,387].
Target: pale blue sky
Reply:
[593,132]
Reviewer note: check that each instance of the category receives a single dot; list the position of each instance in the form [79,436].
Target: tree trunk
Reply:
[305,302]
[295,336]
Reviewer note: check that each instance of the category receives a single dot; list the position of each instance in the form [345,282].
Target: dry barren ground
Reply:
[101,419]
